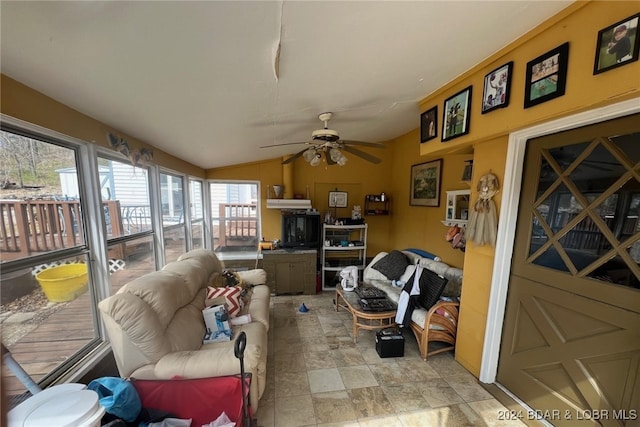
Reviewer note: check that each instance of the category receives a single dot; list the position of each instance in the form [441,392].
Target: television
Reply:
[301,230]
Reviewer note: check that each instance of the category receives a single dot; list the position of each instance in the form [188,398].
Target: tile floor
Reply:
[317,376]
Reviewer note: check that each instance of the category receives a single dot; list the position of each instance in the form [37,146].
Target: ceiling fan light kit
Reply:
[328,141]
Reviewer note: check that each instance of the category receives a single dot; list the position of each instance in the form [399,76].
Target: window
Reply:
[47,289]
[128,217]
[173,218]
[196,195]
[235,218]
[585,218]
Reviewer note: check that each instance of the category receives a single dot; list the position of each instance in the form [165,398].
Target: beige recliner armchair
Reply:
[155,324]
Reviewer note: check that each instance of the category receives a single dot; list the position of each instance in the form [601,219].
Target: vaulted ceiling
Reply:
[212,81]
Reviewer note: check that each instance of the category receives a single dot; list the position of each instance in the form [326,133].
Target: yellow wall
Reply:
[579,25]
[22,102]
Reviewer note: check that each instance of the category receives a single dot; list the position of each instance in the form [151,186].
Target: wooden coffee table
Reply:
[367,320]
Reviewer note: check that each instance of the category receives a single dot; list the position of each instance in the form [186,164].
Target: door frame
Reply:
[509,211]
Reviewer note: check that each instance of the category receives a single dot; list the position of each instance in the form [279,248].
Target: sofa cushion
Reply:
[257,304]
[257,276]
[231,295]
[392,265]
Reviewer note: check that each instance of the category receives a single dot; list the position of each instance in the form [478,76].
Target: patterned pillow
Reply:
[232,296]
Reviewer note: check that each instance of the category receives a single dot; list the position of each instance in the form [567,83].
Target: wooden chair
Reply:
[441,324]
[441,321]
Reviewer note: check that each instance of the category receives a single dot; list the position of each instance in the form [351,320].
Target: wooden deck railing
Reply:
[29,227]
[238,224]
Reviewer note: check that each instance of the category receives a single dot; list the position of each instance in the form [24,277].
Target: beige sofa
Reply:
[156,327]
[436,324]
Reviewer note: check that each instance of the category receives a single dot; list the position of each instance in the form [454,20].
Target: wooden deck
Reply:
[62,334]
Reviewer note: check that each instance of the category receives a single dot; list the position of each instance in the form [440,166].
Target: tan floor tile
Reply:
[390,374]
[294,411]
[405,397]
[357,376]
[348,357]
[370,402]
[438,393]
[489,411]
[323,380]
[321,345]
[333,407]
[319,359]
[445,365]
[291,384]
[420,370]
[290,363]
[381,421]
[284,347]
[354,423]
[266,413]
[468,388]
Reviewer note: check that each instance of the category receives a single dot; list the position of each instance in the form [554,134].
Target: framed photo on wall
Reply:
[497,88]
[337,199]
[617,45]
[425,184]
[546,76]
[429,124]
[455,117]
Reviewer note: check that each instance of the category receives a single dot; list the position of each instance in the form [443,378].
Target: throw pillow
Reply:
[392,265]
[231,295]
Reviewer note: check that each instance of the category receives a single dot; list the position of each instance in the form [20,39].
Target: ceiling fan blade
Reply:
[361,153]
[286,143]
[295,156]
[363,143]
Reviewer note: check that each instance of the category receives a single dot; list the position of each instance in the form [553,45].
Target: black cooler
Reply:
[389,343]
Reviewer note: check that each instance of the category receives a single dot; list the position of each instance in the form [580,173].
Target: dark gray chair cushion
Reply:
[392,265]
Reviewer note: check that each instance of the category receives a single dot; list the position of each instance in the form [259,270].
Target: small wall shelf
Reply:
[457,210]
[376,204]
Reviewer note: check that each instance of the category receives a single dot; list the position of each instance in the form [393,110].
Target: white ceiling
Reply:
[197,79]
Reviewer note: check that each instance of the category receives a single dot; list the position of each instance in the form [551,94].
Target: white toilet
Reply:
[64,405]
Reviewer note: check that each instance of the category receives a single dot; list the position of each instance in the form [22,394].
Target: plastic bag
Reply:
[118,397]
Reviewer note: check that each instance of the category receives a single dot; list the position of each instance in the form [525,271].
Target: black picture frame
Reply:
[612,53]
[429,124]
[497,88]
[546,76]
[456,115]
[425,184]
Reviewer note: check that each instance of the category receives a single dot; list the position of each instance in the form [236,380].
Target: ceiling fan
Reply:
[327,141]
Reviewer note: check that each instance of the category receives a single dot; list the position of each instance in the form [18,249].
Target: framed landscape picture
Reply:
[546,76]
[497,88]
[425,184]
[617,45]
[429,124]
[455,117]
